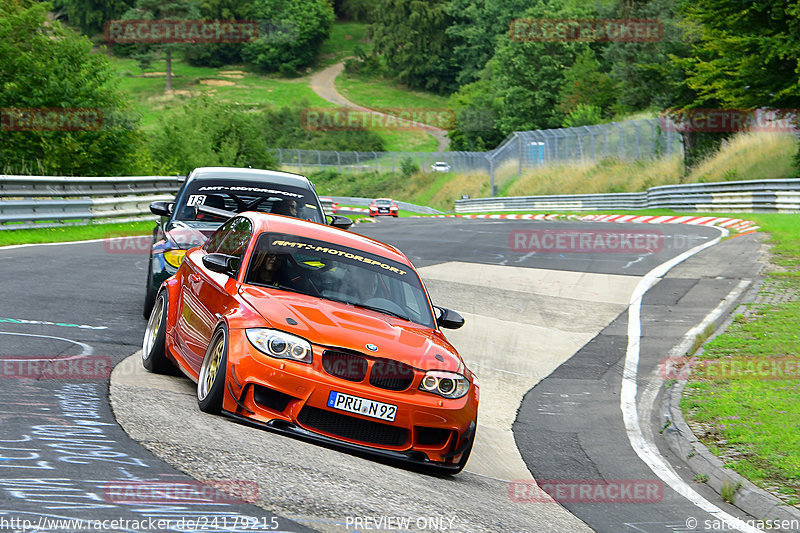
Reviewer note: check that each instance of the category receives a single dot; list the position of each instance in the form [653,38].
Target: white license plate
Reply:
[362,406]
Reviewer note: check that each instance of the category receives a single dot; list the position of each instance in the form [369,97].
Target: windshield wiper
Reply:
[370,307]
[381,310]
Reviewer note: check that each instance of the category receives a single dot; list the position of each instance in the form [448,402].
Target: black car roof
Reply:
[218,174]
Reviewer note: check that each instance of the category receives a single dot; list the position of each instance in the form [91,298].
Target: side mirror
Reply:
[162,209]
[448,318]
[338,221]
[220,263]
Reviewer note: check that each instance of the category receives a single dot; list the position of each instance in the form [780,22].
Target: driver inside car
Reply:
[275,270]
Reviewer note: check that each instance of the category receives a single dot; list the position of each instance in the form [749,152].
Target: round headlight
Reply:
[429,383]
[450,385]
[298,352]
[277,345]
[446,386]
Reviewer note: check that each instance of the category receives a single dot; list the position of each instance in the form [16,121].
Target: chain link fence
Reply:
[630,140]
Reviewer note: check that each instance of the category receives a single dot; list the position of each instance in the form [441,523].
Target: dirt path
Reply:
[323,83]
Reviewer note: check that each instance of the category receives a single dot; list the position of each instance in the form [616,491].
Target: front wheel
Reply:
[154,346]
[211,382]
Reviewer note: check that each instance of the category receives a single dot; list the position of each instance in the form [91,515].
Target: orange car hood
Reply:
[334,324]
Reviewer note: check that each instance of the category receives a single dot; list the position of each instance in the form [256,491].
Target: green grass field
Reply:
[380,93]
[74,233]
[342,42]
[240,85]
[751,421]
[231,83]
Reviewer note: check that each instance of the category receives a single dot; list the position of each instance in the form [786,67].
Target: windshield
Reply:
[383,202]
[246,196]
[341,274]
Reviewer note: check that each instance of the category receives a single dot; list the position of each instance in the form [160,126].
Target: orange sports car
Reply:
[320,333]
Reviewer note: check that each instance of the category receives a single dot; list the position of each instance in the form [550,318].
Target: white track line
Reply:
[630,415]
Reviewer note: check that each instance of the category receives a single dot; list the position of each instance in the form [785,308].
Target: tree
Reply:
[473,32]
[219,54]
[91,15]
[220,135]
[643,73]
[411,36]
[746,55]
[44,66]
[161,10]
[475,127]
[586,85]
[294,33]
[529,75]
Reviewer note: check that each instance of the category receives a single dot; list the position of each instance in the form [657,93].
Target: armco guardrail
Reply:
[45,201]
[781,196]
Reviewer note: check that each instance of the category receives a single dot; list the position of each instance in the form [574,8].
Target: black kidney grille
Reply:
[344,365]
[352,428]
[391,375]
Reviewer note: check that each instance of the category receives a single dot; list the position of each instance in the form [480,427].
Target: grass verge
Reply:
[750,421]
[74,233]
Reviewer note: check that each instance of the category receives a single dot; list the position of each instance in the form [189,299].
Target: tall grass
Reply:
[745,156]
[749,156]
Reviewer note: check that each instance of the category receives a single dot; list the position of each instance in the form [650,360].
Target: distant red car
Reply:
[319,333]
[383,207]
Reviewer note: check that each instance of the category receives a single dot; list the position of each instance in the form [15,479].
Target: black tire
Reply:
[149,295]
[211,381]
[154,344]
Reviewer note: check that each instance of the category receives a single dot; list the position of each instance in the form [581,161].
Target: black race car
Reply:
[211,195]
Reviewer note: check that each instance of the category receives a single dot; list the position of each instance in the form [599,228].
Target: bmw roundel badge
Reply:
[372,348]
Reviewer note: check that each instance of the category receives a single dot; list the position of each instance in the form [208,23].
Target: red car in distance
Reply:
[383,207]
[319,333]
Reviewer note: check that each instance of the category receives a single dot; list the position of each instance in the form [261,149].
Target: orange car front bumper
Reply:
[293,397]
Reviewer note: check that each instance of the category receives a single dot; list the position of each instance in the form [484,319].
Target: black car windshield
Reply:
[246,196]
[341,274]
[383,202]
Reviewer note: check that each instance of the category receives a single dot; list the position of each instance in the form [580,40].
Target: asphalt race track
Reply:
[547,333]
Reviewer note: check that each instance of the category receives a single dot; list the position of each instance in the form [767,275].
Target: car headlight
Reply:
[446,384]
[280,345]
[174,257]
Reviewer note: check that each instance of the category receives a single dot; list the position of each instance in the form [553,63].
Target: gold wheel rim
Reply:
[153,327]
[210,369]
